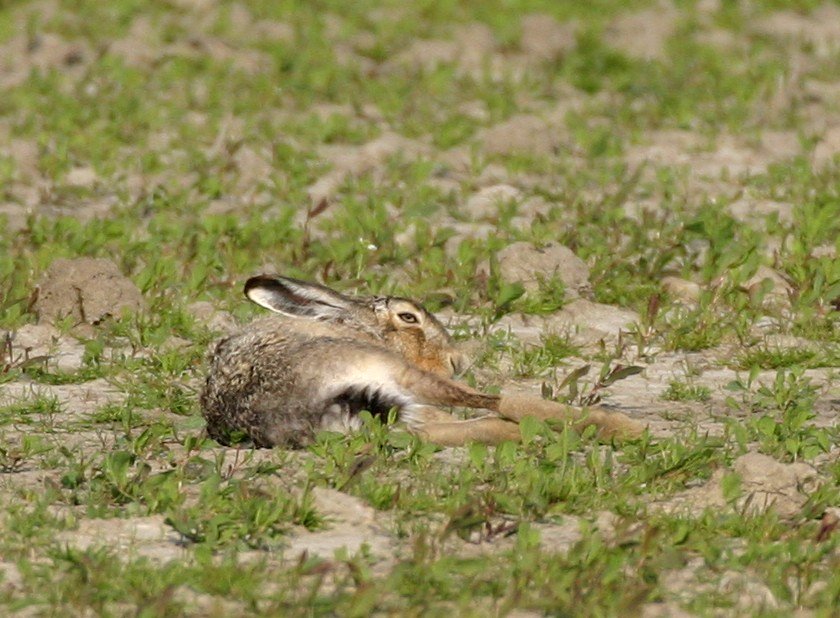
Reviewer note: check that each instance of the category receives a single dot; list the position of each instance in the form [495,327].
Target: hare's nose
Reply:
[458,362]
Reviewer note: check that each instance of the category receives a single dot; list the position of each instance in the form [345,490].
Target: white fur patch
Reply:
[372,374]
[337,419]
[264,298]
[412,415]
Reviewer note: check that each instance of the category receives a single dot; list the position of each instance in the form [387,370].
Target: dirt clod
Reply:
[60,352]
[523,134]
[525,263]
[769,286]
[149,537]
[487,202]
[350,161]
[545,38]
[216,320]
[765,484]
[83,177]
[682,290]
[658,24]
[592,321]
[85,289]
[350,524]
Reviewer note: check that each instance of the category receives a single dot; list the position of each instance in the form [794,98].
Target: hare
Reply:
[327,356]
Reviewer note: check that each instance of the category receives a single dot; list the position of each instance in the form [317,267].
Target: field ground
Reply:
[631,202]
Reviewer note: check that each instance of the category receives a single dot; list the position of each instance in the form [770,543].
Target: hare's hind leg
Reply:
[434,390]
[609,424]
[438,427]
[441,428]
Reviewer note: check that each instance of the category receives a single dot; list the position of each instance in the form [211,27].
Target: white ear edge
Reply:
[262,297]
[295,298]
[318,294]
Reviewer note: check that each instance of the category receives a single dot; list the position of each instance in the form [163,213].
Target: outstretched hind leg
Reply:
[438,427]
[429,390]
[609,424]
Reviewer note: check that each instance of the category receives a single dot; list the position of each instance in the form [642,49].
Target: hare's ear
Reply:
[296,298]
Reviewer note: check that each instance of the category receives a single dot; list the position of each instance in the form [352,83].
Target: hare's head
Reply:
[399,324]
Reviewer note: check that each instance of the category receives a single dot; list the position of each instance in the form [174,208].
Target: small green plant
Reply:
[766,357]
[693,329]
[549,297]
[683,391]
[781,415]
[18,453]
[240,511]
[38,407]
[551,352]
[340,142]
[588,395]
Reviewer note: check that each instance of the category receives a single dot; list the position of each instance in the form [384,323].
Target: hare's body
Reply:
[327,356]
[279,385]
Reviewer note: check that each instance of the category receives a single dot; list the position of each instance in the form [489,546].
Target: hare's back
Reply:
[280,388]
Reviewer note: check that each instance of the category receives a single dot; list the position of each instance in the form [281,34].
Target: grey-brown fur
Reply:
[281,378]
[325,357]
[265,383]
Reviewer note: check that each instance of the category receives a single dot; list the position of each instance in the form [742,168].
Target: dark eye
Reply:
[408,318]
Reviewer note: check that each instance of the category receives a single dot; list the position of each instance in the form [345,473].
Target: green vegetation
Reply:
[186,145]
[682,391]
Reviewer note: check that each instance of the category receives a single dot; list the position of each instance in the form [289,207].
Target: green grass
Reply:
[172,142]
[682,391]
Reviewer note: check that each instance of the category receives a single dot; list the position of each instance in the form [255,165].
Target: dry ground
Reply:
[639,184]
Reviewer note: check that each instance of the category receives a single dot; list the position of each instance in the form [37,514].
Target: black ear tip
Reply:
[260,281]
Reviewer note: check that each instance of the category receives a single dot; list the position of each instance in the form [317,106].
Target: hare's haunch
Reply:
[325,357]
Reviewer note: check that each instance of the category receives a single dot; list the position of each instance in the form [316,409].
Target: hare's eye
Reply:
[408,318]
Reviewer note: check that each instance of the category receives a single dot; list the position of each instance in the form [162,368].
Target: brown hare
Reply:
[327,356]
